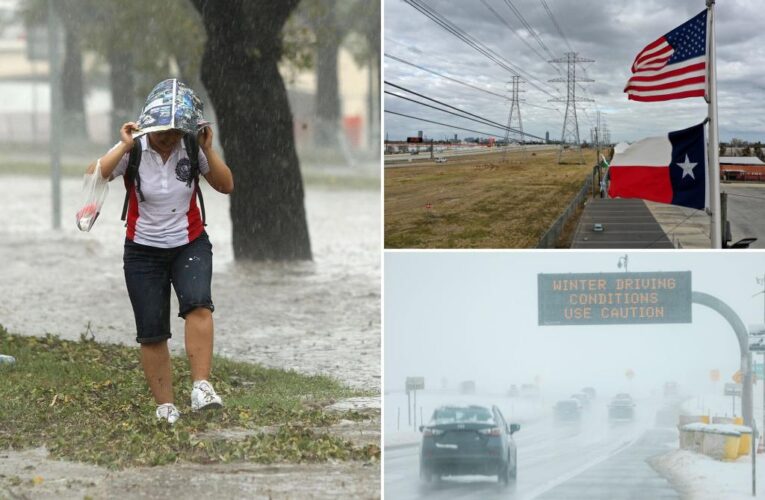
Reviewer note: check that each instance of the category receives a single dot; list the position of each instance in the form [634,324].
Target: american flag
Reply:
[672,67]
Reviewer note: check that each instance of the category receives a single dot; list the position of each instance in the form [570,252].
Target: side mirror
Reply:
[422,427]
[514,428]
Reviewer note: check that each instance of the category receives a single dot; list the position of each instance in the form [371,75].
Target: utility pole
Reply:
[761,281]
[56,110]
[515,108]
[570,134]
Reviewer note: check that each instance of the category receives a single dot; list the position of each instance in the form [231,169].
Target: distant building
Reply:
[547,136]
[742,168]
[455,138]
[419,134]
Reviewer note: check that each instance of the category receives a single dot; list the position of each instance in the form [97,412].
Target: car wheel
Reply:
[426,475]
[514,470]
[504,475]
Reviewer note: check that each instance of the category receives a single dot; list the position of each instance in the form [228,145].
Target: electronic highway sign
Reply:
[614,298]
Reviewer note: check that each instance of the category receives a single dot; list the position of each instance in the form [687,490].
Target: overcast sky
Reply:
[611,33]
[473,316]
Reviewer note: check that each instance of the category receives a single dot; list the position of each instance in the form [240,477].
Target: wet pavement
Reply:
[313,317]
[593,458]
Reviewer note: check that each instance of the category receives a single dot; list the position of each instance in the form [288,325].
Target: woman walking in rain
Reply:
[161,158]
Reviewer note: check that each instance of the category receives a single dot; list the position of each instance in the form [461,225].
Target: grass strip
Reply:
[89,402]
[479,201]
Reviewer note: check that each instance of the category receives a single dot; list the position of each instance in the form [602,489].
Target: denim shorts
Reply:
[149,272]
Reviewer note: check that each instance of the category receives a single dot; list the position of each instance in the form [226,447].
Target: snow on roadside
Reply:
[700,477]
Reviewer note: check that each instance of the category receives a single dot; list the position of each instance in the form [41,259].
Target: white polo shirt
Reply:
[168,217]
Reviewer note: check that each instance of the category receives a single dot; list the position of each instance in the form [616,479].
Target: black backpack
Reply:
[134,161]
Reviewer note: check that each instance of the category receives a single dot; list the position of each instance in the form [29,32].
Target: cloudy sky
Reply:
[611,33]
[473,316]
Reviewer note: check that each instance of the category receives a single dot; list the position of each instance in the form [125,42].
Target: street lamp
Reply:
[623,261]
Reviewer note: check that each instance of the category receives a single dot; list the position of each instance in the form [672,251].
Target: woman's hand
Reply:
[126,133]
[204,138]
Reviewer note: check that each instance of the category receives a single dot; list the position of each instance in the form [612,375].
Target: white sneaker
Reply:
[203,396]
[168,412]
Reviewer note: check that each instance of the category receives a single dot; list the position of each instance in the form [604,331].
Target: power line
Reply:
[466,84]
[481,121]
[447,25]
[528,28]
[507,23]
[570,132]
[485,121]
[440,123]
[444,76]
[557,26]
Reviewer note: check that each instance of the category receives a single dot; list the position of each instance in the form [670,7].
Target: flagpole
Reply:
[714,141]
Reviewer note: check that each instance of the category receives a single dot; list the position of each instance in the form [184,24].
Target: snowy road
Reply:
[593,459]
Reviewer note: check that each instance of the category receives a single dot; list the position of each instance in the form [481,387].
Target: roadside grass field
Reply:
[87,401]
[479,201]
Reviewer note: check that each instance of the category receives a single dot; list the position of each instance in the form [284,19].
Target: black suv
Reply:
[462,440]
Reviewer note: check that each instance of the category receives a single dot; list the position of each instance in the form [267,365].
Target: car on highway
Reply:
[584,399]
[567,410]
[468,440]
[441,160]
[530,391]
[513,392]
[621,407]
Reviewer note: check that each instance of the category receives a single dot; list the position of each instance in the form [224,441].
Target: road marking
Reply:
[570,475]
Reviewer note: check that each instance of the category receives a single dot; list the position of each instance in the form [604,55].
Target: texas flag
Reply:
[670,169]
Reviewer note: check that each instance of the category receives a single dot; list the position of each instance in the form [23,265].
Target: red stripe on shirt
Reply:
[132,215]
[195,220]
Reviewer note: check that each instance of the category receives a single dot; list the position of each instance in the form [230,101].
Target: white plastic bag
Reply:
[95,189]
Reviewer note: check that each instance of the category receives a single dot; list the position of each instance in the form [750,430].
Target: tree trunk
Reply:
[72,88]
[122,84]
[327,90]
[240,72]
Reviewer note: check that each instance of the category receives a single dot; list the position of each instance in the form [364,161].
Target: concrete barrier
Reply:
[692,436]
[745,443]
[721,441]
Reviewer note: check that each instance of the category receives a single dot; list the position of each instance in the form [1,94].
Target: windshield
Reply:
[452,415]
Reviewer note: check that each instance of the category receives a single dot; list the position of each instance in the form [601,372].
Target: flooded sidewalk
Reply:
[313,317]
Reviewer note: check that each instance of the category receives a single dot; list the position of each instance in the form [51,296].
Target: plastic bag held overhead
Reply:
[95,188]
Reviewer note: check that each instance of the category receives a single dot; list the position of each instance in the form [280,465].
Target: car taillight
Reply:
[494,431]
[432,432]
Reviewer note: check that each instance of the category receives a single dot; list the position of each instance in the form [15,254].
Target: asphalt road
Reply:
[746,211]
[594,459]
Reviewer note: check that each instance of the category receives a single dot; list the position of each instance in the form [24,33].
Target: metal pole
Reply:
[54,77]
[714,141]
[408,410]
[724,217]
[415,409]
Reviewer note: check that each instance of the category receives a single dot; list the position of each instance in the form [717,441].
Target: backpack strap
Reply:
[131,175]
[192,151]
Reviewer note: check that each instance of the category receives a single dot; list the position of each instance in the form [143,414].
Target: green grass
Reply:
[88,401]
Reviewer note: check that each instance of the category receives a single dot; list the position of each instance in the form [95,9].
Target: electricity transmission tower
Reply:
[570,136]
[515,109]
